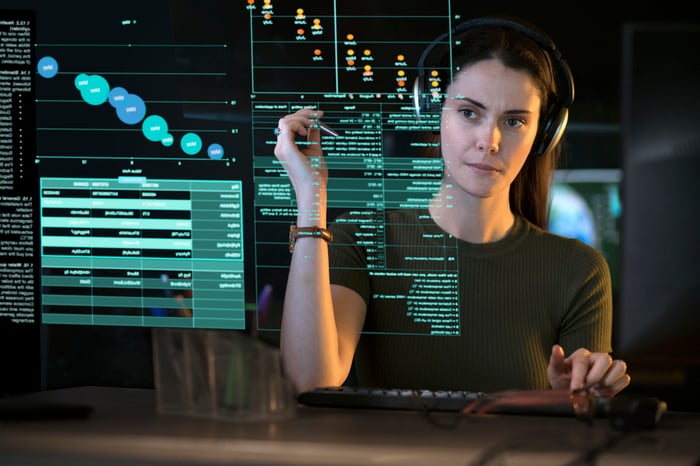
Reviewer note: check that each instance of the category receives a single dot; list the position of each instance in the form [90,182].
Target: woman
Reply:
[526,297]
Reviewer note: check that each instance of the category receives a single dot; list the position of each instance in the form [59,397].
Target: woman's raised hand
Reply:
[303,160]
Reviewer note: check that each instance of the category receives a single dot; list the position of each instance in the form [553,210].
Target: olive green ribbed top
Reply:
[444,314]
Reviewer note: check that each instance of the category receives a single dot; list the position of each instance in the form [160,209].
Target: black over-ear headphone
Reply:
[427,95]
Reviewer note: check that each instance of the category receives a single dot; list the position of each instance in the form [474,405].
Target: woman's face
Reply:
[488,125]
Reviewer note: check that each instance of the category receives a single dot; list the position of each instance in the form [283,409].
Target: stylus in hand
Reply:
[328,130]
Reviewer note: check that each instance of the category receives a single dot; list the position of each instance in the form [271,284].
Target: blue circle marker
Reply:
[191,144]
[94,89]
[47,67]
[215,151]
[130,108]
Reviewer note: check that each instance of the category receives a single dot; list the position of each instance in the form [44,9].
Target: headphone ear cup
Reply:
[551,131]
[424,102]
[418,97]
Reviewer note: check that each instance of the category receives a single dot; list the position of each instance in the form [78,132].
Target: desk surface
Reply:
[125,429]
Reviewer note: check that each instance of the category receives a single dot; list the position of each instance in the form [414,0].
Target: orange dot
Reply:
[400,57]
[351,62]
[367,52]
[317,52]
[434,73]
[350,37]
[268,16]
[251,2]
[402,83]
[300,32]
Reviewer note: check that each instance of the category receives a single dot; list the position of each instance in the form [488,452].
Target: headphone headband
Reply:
[554,120]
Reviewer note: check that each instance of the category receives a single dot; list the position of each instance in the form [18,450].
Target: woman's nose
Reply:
[488,138]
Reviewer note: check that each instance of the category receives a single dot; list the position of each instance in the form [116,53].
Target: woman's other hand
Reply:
[598,373]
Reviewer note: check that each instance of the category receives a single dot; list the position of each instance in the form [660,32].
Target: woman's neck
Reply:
[472,219]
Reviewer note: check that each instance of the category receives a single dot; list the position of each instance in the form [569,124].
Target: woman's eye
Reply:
[469,113]
[514,122]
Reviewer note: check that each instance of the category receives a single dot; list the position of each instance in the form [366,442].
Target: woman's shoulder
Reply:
[575,249]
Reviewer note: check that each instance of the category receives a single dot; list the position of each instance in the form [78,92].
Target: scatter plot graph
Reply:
[320,50]
[155,110]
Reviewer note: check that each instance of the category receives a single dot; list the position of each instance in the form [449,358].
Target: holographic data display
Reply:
[359,68]
[160,200]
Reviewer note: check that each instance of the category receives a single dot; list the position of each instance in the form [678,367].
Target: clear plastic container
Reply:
[219,374]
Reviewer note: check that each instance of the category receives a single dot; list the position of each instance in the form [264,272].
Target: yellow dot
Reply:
[434,83]
[368,68]
[300,11]
[401,73]
[351,52]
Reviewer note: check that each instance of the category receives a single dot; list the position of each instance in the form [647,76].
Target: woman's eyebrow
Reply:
[476,103]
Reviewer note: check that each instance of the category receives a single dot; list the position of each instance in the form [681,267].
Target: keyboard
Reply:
[423,400]
[381,398]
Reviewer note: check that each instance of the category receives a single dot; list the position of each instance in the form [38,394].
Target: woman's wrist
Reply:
[311,214]
[295,233]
